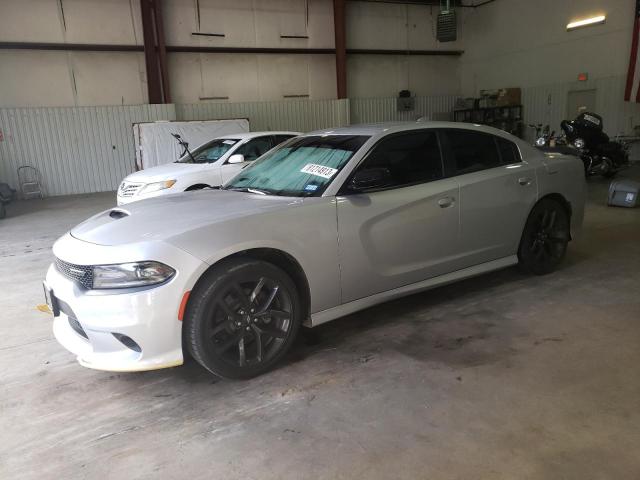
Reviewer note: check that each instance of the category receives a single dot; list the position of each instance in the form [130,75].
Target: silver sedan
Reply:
[329,223]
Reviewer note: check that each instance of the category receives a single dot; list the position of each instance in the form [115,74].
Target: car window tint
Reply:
[410,158]
[209,153]
[254,148]
[278,139]
[473,151]
[509,152]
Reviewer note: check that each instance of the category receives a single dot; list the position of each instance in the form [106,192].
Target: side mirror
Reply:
[237,158]
[370,178]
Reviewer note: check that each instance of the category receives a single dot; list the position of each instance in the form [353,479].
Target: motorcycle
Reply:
[545,137]
[599,154]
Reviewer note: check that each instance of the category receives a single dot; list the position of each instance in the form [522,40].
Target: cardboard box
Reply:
[508,97]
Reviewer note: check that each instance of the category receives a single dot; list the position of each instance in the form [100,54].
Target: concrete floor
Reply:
[499,377]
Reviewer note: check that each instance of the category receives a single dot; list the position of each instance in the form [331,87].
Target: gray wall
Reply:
[520,43]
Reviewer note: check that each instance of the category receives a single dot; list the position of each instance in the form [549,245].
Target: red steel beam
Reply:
[340,28]
[162,51]
[154,85]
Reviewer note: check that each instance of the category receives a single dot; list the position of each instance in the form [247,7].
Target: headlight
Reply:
[128,275]
[578,143]
[154,187]
[541,142]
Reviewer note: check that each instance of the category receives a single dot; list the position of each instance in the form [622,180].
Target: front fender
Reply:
[305,230]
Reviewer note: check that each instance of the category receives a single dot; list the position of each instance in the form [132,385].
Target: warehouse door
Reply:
[581,101]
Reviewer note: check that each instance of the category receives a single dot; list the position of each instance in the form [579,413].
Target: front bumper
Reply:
[121,330]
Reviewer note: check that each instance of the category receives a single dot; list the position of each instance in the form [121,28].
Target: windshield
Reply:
[209,152]
[303,166]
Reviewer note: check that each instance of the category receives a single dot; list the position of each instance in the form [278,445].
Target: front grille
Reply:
[82,274]
[75,324]
[127,189]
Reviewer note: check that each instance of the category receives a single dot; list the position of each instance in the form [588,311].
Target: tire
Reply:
[223,332]
[610,172]
[545,237]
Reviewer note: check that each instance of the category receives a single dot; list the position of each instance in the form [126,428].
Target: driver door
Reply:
[405,232]
[251,150]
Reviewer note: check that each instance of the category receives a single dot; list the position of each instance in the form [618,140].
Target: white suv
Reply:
[209,165]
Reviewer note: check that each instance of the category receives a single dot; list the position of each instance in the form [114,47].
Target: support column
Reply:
[162,51]
[341,46]
[150,30]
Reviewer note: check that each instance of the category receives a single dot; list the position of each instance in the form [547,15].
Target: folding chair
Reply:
[29,181]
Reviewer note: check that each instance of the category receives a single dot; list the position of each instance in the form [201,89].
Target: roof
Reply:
[245,135]
[373,129]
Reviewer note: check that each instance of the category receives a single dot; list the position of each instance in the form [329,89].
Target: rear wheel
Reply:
[242,318]
[545,237]
[608,170]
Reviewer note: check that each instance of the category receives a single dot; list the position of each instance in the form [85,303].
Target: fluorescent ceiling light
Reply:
[586,22]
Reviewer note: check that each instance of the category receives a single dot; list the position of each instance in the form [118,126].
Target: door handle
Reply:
[524,181]
[446,202]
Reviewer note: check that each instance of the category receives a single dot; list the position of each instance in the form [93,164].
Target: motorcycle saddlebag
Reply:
[624,193]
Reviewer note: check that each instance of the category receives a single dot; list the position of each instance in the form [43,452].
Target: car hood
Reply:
[171,215]
[163,172]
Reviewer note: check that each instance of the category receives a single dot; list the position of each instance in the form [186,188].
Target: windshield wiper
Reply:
[248,189]
[184,145]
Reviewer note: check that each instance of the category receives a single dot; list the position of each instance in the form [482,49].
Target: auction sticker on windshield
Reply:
[319,170]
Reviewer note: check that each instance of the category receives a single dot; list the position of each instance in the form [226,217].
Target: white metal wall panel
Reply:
[76,149]
[297,115]
[372,110]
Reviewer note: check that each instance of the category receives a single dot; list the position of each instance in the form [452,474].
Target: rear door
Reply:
[405,232]
[497,192]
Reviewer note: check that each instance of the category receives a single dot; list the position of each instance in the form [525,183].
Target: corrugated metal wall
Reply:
[91,149]
[548,104]
[76,149]
[297,115]
[372,110]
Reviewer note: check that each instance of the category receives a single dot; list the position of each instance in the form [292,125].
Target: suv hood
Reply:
[170,215]
[163,172]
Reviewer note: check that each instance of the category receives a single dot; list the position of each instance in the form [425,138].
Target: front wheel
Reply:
[545,237]
[242,318]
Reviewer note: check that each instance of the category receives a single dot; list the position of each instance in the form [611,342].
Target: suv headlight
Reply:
[154,187]
[128,275]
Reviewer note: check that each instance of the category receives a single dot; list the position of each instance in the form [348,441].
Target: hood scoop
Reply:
[117,214]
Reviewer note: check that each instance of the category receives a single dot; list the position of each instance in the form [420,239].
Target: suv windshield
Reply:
[209,152]
[303,166]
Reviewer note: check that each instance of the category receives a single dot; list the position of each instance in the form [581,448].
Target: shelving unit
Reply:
[507,118]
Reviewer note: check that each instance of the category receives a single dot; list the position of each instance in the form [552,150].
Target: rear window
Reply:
[473,151]
[509,152]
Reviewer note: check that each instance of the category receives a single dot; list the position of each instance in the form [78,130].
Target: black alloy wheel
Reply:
[242,318]
[545,237]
